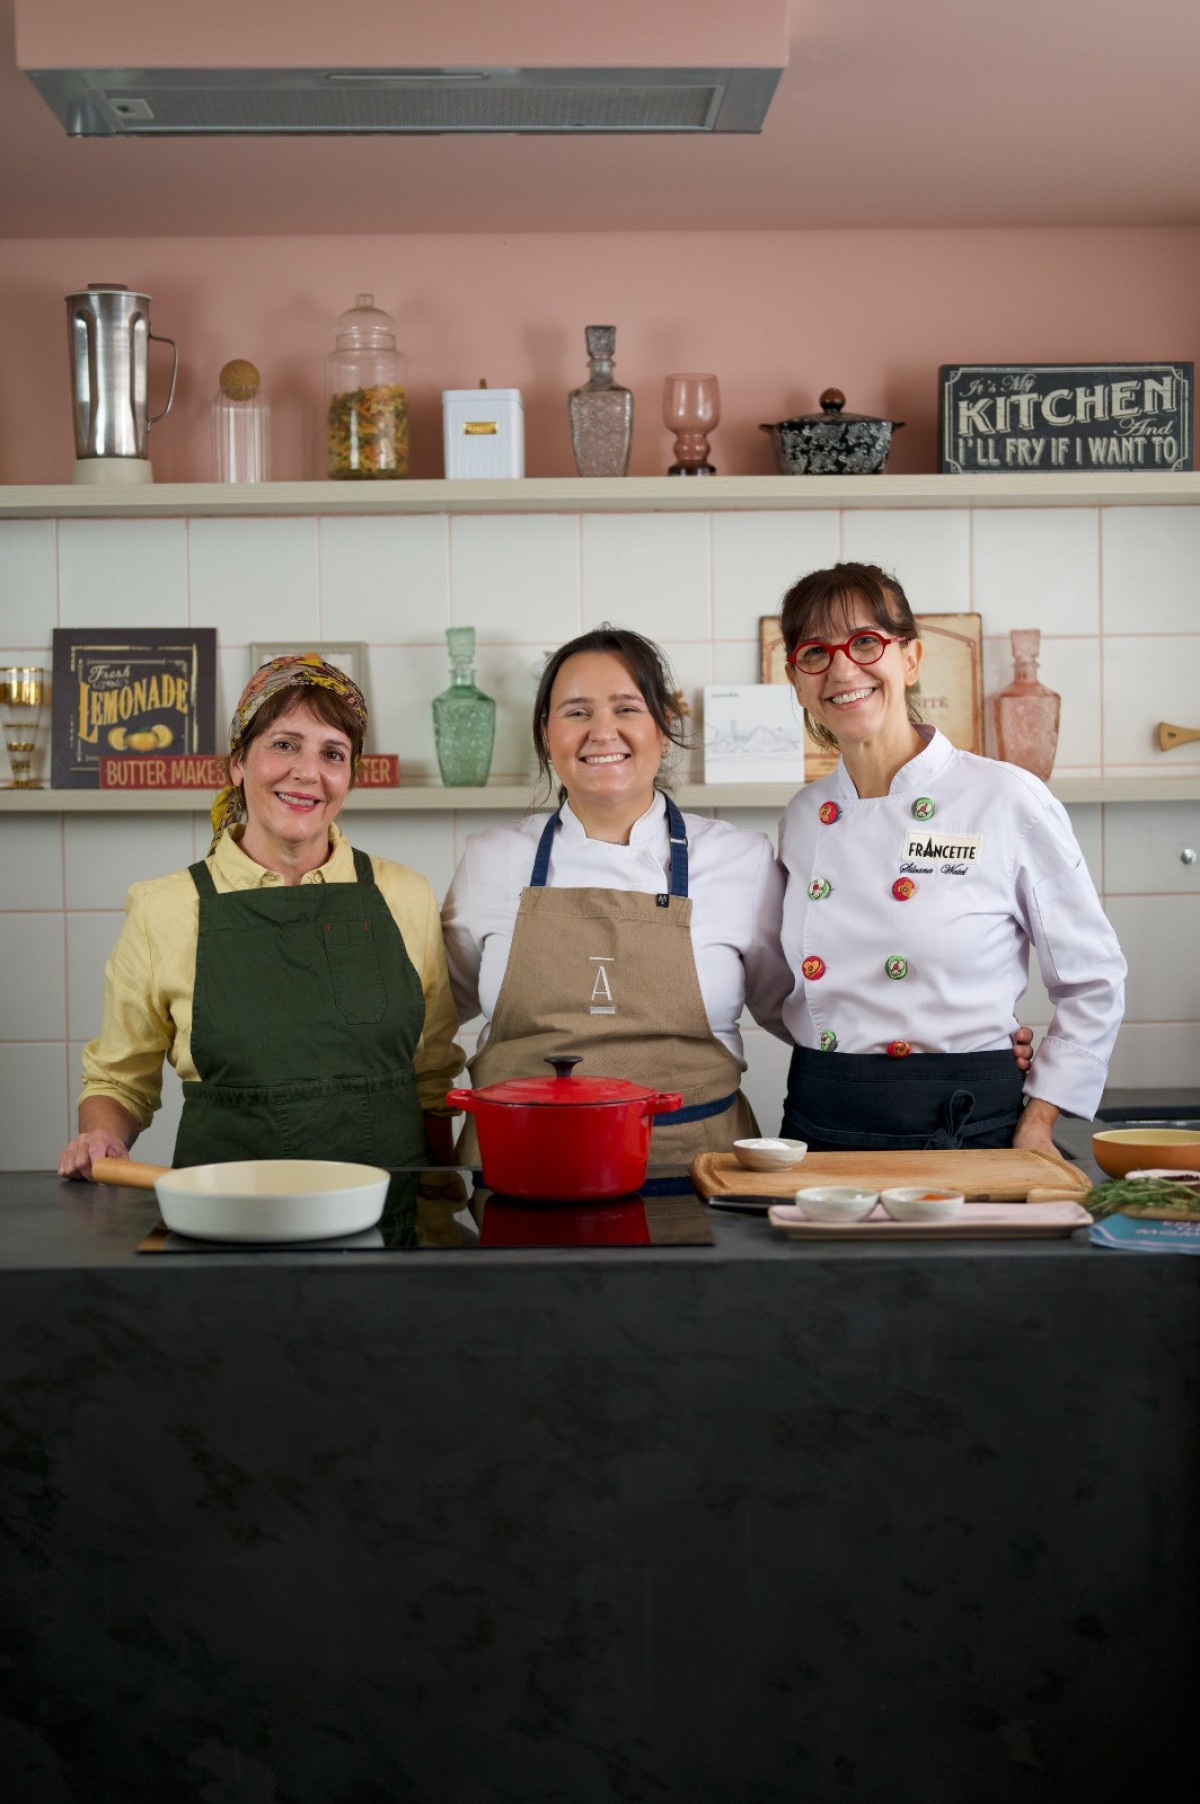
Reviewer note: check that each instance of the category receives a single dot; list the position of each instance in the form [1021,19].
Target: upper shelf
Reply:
[609,495]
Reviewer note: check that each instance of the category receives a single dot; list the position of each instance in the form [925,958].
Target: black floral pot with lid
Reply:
[832,443]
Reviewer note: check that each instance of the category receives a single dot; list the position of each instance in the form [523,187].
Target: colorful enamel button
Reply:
[896,966]
[898,1049]
[813,968]
[829,812]
[903,888]
[924,809]
[828,1040]
[818,889]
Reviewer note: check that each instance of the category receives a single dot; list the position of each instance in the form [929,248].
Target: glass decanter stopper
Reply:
[1025,715]
[601,413]
[464,719]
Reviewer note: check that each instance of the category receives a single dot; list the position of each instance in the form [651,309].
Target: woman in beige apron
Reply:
[610,973]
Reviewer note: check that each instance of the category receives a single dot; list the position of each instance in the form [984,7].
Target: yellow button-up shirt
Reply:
[150,973]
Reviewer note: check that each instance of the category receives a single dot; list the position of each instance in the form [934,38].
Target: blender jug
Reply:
[108,327]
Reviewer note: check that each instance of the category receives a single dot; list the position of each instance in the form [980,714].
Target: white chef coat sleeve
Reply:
[769,977]
[464,950]
[1081,964]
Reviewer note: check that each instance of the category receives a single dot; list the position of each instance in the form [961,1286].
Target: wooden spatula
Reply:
[1169,736]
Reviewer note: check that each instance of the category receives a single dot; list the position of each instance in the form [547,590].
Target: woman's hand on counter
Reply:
[1034,1129]
[106,1131]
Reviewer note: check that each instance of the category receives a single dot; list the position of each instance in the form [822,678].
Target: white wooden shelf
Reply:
[518,798]
[619,495]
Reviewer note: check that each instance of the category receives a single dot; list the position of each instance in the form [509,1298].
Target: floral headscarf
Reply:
[303,672]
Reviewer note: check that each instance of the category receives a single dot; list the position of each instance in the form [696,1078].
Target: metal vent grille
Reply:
[474,109]
[250,102]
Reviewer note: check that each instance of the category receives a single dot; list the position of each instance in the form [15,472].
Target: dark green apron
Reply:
[305,1020]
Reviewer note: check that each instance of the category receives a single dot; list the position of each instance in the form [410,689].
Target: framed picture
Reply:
[344,654]
[949,693]
[134,692]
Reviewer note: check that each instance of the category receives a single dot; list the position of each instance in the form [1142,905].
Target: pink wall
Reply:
[779,316]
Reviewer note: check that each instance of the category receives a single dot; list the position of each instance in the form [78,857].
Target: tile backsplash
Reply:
[1112,590]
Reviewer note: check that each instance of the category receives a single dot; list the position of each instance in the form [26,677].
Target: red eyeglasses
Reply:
[812,656]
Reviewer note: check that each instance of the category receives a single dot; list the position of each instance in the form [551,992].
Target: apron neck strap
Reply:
[201,876]
[679,850]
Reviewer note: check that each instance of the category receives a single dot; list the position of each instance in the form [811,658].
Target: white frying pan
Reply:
[259,1200]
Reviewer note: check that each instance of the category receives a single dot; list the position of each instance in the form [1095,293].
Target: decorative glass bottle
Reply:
[241,425]
[464,719]
[601,413]
[1025,714]
[366,379]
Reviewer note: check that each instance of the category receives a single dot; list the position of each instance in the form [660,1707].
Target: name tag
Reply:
[945,848]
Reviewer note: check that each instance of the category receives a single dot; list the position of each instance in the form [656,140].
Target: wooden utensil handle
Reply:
[1049,1195]
[127,1171]
[1169,735]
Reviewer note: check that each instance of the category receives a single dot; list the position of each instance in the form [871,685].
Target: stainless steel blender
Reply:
[108,327]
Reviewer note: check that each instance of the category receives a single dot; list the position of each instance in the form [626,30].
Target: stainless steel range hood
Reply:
[155,103]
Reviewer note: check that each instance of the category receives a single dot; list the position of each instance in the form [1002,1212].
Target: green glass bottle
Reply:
[464,719]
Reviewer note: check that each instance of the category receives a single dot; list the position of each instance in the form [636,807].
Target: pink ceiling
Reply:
[890,113]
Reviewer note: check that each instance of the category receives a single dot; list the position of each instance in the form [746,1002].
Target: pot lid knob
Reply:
[832,400]
[563,1067]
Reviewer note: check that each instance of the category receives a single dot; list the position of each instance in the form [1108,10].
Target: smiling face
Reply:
[603,741]
[860,704]
[296,776]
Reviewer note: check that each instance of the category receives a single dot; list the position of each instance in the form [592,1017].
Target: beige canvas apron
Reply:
[610,975]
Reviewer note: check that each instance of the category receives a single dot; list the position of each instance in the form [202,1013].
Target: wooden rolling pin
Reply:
[1047,1195]
[130,1172]
[1169,735]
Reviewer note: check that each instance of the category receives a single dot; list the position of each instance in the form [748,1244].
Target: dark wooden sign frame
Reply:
[1021,418]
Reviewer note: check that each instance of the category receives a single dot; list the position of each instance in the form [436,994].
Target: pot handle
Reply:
[665,1102]
[564,1065]
[461,1099]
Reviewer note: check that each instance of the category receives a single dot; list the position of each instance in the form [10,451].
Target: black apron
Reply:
[840,1101]
[306,1017]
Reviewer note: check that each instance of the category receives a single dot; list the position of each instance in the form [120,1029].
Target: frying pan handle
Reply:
[461,1099]
[665,1102]
[127,1171]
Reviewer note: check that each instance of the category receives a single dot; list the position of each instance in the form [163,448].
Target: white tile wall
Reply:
[1113,593]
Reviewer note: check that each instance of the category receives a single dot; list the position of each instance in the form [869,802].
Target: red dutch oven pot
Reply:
[564,1138]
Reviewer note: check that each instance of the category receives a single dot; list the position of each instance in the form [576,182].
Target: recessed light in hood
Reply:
[306,102]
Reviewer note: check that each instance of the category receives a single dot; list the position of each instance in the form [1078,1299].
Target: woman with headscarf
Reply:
[297,985]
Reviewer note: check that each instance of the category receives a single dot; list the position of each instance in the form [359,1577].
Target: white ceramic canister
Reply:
[483,431]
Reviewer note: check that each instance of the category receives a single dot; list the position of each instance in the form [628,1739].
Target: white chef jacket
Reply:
[734,881]
[994,868]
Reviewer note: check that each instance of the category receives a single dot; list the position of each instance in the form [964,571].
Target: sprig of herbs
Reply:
[1142,1193]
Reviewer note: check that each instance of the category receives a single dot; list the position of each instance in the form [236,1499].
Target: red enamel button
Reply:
[903,888]
[898,1049]
[813,968]
[829,812]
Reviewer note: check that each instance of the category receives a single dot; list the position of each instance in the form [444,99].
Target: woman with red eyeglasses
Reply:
[918,878]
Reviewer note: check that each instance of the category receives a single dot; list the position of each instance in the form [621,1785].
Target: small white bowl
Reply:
[769,1155]
[836,1202]
[921,1202]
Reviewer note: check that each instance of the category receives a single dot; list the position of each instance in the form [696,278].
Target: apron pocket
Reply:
[353,960]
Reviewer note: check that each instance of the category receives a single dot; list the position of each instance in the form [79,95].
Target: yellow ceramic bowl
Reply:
[1118,1151]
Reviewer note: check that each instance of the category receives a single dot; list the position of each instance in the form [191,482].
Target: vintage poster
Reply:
[130,692]
[949,694]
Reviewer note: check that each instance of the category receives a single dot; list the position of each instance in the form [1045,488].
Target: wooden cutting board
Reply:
[1000,1174]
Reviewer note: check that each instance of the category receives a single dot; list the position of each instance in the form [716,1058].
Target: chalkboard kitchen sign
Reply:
[998,417]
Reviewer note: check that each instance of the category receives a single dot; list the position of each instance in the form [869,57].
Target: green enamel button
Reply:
[924,808]
[896,966]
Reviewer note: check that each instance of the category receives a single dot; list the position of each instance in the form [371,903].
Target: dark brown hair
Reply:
[322,703]
[646,664]
[823,602]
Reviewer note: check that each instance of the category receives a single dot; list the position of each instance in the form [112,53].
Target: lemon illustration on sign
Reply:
[117,739]
[144,740]
[162,734]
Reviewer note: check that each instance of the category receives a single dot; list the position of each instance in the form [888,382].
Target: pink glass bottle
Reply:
[1025,714]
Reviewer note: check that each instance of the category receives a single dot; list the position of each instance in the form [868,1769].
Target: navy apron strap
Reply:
[541,862]
[679,849]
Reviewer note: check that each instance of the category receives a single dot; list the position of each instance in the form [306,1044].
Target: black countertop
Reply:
[755,1522]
